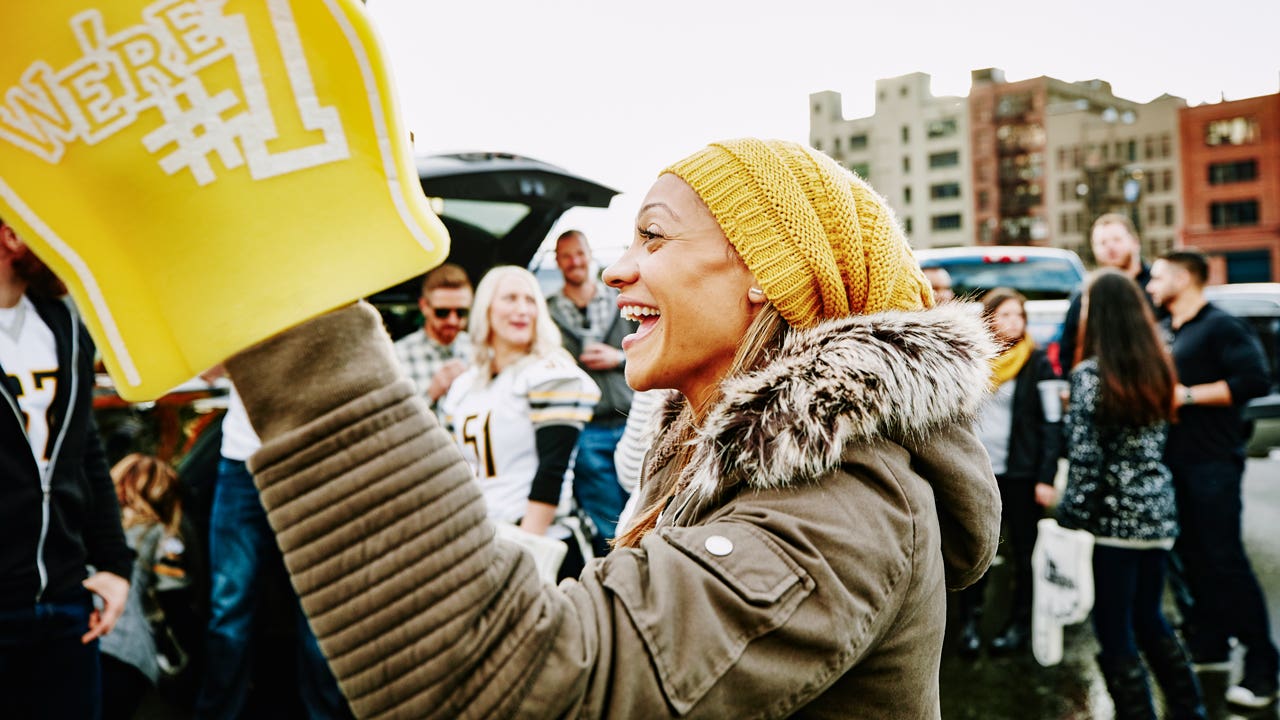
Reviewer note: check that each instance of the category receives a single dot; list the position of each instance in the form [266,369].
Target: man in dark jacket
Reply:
[1221,366]
[58,509]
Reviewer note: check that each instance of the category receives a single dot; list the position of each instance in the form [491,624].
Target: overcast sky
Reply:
[617,89]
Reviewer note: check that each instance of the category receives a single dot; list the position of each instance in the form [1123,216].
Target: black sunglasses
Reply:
[442,313]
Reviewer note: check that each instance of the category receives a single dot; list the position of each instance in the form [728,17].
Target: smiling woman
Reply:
[813,490]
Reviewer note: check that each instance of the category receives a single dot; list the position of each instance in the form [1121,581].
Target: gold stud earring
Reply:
[755,295]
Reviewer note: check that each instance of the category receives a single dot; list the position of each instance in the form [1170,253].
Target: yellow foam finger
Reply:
[205,173]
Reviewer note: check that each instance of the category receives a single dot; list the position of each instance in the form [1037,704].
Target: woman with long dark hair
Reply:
[1119,490]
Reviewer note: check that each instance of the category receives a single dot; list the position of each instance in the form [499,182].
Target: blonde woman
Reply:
[814,490]
[517,412]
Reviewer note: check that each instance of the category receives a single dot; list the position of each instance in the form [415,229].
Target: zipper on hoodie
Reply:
[46,479]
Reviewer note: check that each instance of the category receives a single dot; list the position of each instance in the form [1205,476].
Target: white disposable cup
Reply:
[1051,398]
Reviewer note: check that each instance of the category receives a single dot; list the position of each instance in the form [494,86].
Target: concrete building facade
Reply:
[913,150]
[1031,162]
[1122,157]
[1230,155]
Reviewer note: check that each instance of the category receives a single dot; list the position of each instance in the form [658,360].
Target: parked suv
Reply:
[1046,276]
[1259,304]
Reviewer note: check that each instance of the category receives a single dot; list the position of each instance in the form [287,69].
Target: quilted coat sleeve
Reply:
[422,614]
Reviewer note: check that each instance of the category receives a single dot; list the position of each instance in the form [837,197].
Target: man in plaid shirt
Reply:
[440,353]
[591,328]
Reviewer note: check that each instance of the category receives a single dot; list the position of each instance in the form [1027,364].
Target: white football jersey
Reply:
[494,424]
[29,355]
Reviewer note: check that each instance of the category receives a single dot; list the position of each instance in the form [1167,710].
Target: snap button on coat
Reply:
[718,545]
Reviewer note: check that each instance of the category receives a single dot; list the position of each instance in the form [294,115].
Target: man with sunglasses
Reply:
[440,353]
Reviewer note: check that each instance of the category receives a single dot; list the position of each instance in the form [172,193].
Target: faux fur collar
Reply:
[894,375]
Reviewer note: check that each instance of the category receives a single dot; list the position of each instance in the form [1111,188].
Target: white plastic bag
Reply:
[1062,567]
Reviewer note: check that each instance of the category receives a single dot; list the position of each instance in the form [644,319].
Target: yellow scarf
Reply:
[1007,365]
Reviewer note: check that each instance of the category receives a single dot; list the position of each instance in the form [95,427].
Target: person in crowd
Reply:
[586,311]
[1024,447]
[637,436]
[1119,490]
[940,282]
[151,510]
[1221,366]
[1115,244]
[242,556]
[808,500]
[58,510]
[518,410]
[435,357]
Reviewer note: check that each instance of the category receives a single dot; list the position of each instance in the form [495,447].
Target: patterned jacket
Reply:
[1118,488]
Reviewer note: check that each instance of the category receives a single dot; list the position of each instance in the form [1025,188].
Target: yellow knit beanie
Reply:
[821,242]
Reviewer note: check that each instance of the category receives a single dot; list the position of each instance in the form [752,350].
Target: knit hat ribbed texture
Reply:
[819,240]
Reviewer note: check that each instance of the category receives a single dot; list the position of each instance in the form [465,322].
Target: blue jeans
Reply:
[1226,598]
[240,546]
[595,480]
[1128,586]
[45,671]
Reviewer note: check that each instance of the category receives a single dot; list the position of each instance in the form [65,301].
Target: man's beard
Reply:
[40,280]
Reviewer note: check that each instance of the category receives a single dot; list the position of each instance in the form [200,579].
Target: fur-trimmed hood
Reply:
[894,375]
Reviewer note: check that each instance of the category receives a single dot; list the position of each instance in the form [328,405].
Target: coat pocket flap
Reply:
[742,558]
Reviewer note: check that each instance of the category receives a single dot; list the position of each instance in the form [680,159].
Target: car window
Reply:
[1038,278]
[495,218]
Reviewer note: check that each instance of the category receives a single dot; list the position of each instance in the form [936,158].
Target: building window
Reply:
[880,96]
[1132,149]
[817,144]
[943,191]
[817,109]
[1013,105]
[902,91]
[862,170]
[1231,131]
[1166,145]
[984,199]
[906,195]
[1166,180]
[1151,182]
[1233,213]
[1233,172]
[1152,212]
[945,222]
[906,164]
[946,127]
[906,134]
[858,142]
[1169,219]
[906,225]
[837,145]
[1062,158]
[1062,224]
[944,159]
[1148,147]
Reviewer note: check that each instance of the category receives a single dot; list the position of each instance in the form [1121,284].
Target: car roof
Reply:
[1033,251]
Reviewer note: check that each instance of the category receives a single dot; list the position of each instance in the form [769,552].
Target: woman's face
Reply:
[1009,322]
[686,286]
[512,315]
